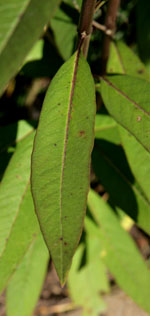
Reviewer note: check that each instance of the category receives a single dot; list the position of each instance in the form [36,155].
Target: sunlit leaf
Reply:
[21,24]
[18,223]
[23,231]
[123,60]
[25,285]
[106,128]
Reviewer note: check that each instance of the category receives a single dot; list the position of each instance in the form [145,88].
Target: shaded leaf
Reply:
[120,253]
[25,286]
[10,136]
[127,100]
[139,160]
[111,167]
[21,24]
[143,29]
[61,159]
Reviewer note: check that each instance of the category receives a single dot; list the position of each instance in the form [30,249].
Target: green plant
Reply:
[63,150]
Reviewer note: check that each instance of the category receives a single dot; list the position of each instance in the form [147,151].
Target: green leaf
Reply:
[111,168]
[20,235]
[86,283]
[64,26]
[127,100]
[36,53]
[106,128]
[18,223]
[42,61]
[13,186]
[21,23]
[120,253]
[61,159]
[123,60]
[139,160]
[25,286]
[10,136]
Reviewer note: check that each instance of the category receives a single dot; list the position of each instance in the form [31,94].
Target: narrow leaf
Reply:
[18,223]
[25,286]
[127,100]
[61,159]
[21,23]
[23,231]
[120,253]
[14,186]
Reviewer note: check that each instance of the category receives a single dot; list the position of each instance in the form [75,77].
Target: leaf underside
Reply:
[61,159]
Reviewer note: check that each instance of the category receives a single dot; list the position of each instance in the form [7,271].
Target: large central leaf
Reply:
[61,159]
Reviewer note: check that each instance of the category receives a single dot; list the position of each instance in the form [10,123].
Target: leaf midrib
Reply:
[126,97]
[19,262]
[65,147]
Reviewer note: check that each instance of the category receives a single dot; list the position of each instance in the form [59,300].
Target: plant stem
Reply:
[102,28]
[110,24]
[85,24]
